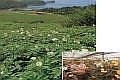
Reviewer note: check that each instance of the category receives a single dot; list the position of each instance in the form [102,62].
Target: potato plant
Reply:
[31,50]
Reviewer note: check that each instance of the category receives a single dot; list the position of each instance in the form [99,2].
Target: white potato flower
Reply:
[17,31]
[49,35]
[64,39]
[50,53]
[2,72]
[39,63]
[12,31]
[33,58]
[54,39]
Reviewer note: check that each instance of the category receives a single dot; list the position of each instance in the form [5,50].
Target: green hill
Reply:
[6,4]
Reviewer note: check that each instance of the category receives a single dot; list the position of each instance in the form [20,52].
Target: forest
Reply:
[6,4]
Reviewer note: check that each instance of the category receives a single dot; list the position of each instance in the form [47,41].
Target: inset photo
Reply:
[79,65]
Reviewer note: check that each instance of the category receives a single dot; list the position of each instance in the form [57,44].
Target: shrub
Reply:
[83,17]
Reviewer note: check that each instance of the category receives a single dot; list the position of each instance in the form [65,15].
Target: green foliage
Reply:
[31,50]
[83,17]
[63,11]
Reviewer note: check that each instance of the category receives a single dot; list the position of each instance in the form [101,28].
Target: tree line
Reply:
[6,4]
[77,15]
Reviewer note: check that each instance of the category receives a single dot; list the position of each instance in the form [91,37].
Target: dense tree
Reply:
[6,4]
[85,16]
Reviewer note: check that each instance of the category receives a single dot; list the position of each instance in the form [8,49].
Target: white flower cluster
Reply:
[50,53]
[1,72]
[55,39]
[33,58]
[5,34]
[12,31]
[55,32]
[39,63]
[64,39]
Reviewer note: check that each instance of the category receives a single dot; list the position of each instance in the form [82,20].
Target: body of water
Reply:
[64,3]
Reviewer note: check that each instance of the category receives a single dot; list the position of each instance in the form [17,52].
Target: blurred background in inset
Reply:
[79,65]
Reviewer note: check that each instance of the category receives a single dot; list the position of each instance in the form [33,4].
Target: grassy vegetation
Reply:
[31,45]
[83,17]
[76,16]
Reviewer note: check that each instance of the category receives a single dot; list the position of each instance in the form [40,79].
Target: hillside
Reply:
[6,4]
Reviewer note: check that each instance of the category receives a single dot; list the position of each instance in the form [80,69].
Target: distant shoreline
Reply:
[27,9]
[38,5]
[54,7]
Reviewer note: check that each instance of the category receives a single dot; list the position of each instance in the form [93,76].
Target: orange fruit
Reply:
[114,63]
[118,72]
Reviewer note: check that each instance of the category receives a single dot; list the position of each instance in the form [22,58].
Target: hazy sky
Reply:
[66,3]
[72,1]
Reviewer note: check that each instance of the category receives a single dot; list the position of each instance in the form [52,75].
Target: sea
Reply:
[63,3]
